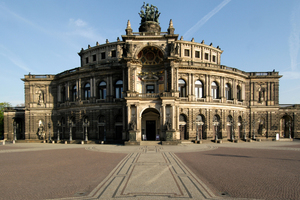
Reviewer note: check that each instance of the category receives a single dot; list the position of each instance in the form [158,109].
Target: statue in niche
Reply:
[40,97]
[41,133]
[261,92]
[168,124]
[132,125]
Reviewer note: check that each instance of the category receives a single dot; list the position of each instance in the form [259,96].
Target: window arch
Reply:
[74,93]
[214,90]
[182,88]
[228,91]
[102,90]
[119,89]
[199,89]
[87,91]
[238,93]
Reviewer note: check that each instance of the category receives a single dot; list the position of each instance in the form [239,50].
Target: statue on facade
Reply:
[132,125]
[151,13]
[168,125]
[40,97]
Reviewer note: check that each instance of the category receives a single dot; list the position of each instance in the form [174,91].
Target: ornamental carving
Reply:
[150,56]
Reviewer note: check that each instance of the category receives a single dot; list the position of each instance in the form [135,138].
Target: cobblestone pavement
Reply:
[257,170]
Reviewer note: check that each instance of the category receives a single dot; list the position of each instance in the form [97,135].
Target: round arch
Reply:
[286,126]
[150,55]
[148,46]
[150,123]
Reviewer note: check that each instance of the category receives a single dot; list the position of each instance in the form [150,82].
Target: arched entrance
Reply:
[182,127]
[200,122]
[150,124]
[286,125]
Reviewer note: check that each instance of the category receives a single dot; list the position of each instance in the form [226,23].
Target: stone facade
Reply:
[150,83]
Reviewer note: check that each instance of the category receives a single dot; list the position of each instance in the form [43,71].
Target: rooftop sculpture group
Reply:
[151,13]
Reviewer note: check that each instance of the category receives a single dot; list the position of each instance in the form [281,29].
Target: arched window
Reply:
[182,88]
[198,89]
[214,90]
[87,91]
[238,93]
[228,91]
[119,89]
[74,93]
[63,94]
[102,90]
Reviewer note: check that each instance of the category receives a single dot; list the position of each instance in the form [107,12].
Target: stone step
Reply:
[150,143]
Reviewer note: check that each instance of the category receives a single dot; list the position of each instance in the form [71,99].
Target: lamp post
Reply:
[216,124]
[253,126]
[49,126]
[289,124]
[85,125]
[15,130]
[71,125]
[104,137]
[239,130]
[244,124]
[58,135]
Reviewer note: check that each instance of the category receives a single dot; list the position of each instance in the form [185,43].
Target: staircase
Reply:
[150,143]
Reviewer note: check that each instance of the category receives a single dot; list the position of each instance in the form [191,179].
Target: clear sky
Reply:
[44,36]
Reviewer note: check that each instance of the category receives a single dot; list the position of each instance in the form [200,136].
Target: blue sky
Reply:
[44,36]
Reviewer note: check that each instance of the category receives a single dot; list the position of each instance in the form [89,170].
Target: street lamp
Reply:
[70,125]
[244,124]
[104,137]
[216,124]
[253,126]
[58,135]
[15,130]
[49,126]
[85,125]
[289,124]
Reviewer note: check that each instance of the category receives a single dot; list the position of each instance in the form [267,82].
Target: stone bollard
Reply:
[82,142]
[44,141]
[66,142]
[53,142]
[14,142]
[3,142]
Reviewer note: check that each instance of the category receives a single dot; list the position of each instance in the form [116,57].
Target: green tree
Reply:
[3,105]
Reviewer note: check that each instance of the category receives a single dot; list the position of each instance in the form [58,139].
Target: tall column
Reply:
[95,87]
[68,91]
[77,88]
[108,86]
[166,81]
[111,85]
[177,117]
[190,85]
[59,93]
[163,114]
[172,78]
[91,87]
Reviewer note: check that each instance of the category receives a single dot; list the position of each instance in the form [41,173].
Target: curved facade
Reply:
[152,86]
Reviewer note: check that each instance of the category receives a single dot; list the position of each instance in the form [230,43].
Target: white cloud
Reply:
[5,52]
[291,75]
[77,23]
[82,29]
[202,21]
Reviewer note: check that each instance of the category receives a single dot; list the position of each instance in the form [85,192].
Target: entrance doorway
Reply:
[150,124]
[150,129]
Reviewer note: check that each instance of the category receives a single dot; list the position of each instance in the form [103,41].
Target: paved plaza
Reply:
[256,170]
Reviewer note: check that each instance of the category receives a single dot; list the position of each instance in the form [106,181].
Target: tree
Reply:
[3,105]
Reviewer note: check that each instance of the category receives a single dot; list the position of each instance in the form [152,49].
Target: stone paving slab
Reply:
[151,172]
[187,171]
[248,173]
